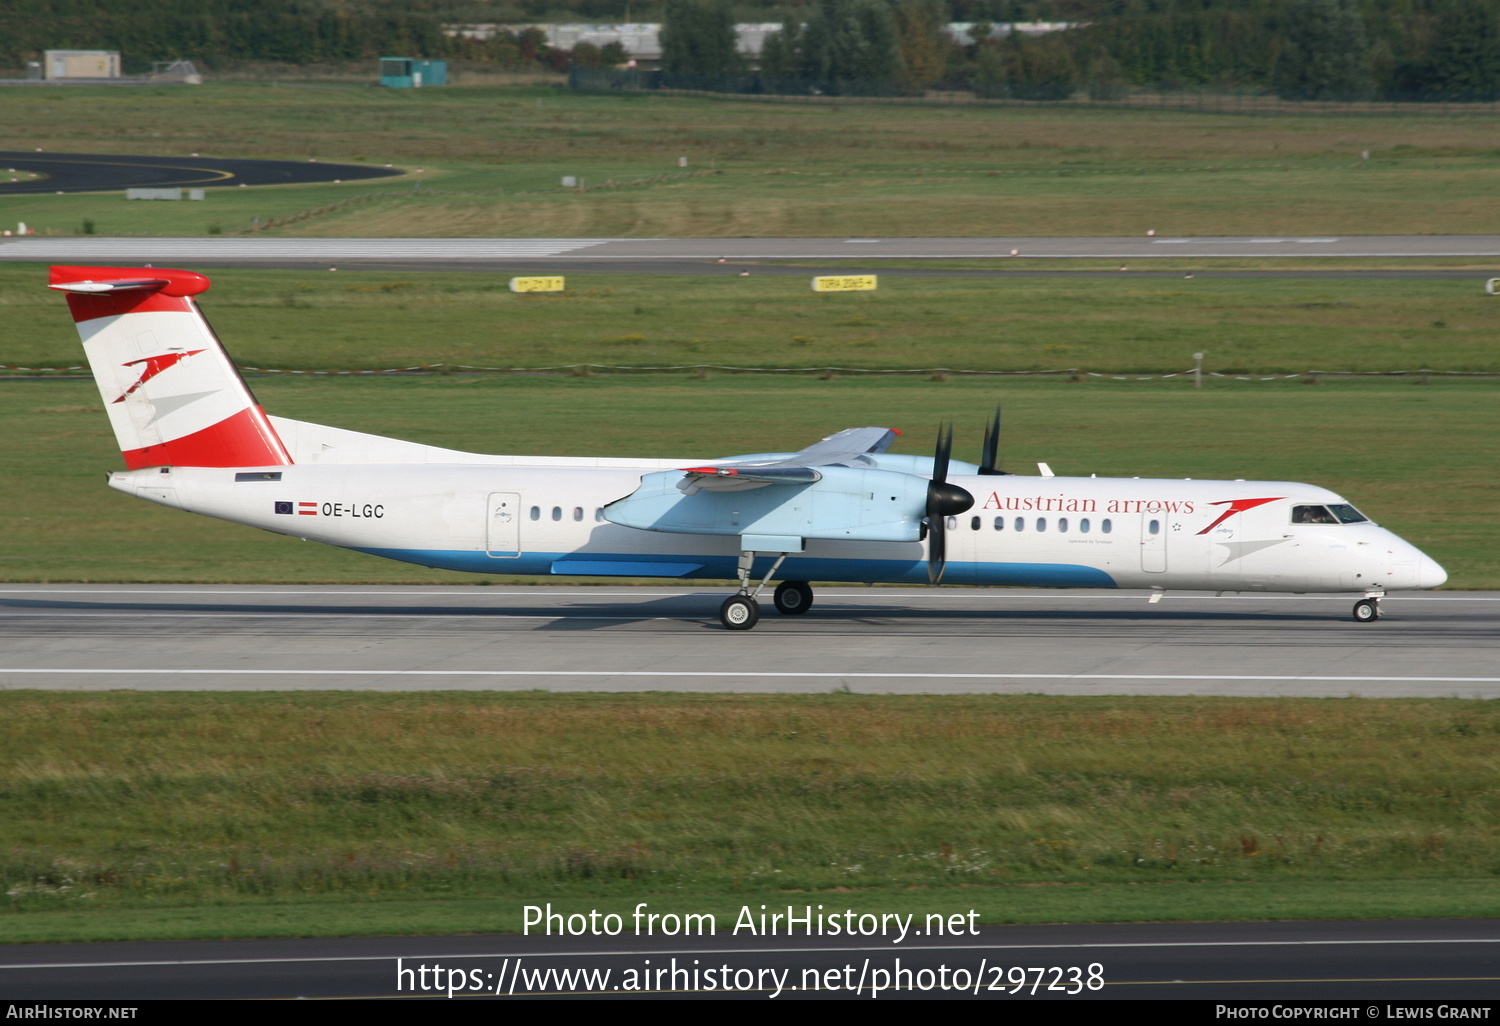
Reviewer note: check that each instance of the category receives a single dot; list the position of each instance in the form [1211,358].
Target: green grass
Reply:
[436,809]
[491,160]
[368,321]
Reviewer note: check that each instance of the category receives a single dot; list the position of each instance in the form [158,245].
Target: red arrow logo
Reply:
[1236,506]
[154,366]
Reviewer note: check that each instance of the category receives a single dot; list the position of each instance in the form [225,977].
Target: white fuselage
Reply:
[534,516]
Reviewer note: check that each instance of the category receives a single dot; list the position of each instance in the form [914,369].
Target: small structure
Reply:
[58,64]
[412,73]
[162,194]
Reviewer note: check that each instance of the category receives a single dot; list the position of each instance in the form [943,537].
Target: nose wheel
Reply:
[739,613]
[1367,610]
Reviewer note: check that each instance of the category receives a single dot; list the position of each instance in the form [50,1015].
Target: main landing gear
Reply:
[740,612]
[1367,609]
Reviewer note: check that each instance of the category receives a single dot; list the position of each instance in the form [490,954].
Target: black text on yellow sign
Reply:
[844,283]
[536,284]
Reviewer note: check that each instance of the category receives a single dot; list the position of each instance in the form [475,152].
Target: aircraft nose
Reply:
[1429,573]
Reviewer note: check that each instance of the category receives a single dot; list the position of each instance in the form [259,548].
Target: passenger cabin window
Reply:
[953,523]
[1154,527]
[1041,523]
[577,512]
[556,512]
[1020,524]
[536,512]
[974,523]
[999,523]
[599,515]
[1083,525]
[1062,524]
[1105,526]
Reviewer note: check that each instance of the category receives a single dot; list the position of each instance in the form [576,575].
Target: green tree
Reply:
[1039,69]
[1326,56]
[586,55]
[922,44]
[783,62]
[988,79]
[698,44]
[1464,63]
[851,47]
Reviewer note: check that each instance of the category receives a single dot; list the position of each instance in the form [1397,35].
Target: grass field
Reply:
[491,160]
[368,321]
[200,814]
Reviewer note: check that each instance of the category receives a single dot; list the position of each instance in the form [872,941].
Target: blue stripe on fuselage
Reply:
[796,568]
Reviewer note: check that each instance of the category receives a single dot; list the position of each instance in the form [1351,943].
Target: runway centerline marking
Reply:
[773,674]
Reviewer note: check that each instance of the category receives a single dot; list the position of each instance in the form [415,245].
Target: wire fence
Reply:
[587,369]
[755,87]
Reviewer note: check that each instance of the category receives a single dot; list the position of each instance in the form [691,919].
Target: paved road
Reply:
[540,251]
[1365,961]
[877,640]
[102,172]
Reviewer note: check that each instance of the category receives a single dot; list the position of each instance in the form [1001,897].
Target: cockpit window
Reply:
[1334,514]
[1312,515]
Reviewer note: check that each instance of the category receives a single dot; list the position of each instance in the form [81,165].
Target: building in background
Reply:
[412,72]
[58,64]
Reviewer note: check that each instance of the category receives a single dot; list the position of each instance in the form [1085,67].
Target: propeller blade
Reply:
[943,500]
[937,550]
[991,457]
[940,454]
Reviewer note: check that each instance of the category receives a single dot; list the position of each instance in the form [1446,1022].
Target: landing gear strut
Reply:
[1367,609]
[740,611]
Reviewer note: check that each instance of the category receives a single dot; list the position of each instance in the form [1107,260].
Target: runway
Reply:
[1419,960]
[872,640]
[355,252]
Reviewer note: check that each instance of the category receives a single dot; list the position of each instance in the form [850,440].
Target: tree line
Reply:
[1432,50]
[1446,50]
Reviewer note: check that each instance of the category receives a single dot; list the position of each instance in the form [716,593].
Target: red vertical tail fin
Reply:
[173,396]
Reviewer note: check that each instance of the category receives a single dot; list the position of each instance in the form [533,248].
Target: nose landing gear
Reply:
[1367,609]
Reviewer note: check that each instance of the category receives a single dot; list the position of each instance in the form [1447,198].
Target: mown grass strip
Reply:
[356,321]
[491,158]
[270,806]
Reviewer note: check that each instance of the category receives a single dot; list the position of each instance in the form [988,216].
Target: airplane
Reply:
[844,509]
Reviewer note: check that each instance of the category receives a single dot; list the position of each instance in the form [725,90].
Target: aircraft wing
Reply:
[844,449]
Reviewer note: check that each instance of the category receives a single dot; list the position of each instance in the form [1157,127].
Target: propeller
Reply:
[943,500]
[991,447]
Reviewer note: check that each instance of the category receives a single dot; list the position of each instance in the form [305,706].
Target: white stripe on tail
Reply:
[173,396]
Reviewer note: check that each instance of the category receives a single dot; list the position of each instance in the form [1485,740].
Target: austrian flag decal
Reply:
[306,509]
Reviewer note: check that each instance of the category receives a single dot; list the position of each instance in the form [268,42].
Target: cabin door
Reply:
[503,525]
